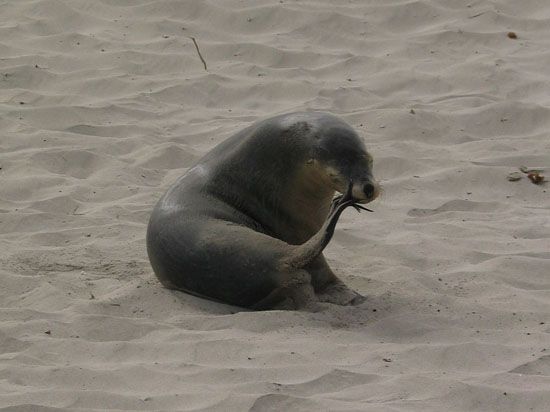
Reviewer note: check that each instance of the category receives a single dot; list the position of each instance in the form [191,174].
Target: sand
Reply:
[103,104]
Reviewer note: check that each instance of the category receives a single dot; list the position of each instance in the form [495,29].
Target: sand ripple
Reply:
[105,103]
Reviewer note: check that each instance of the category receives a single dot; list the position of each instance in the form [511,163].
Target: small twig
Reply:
[199,52]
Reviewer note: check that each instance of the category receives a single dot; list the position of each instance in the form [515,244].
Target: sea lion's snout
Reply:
[365,191]
[344,159]
[368,189]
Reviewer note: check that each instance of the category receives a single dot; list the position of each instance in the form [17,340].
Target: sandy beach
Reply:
[104,104]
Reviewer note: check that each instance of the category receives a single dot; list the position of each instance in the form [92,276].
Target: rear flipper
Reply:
[307,252]
[328,287]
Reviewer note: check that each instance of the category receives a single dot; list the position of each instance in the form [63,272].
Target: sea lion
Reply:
[248,223]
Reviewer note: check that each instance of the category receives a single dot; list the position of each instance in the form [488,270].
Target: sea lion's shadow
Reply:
[327,314]
[206,306]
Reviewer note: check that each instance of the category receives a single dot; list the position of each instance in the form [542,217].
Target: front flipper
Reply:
[295,291]
[339,294]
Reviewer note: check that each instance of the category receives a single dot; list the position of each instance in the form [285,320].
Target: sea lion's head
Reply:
[341,157]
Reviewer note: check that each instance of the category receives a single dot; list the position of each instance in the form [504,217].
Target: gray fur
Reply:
[247,224]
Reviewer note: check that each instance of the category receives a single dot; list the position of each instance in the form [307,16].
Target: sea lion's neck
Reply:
[269,180]
[306,203]
[290,205]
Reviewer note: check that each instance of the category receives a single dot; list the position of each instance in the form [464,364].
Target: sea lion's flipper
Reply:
[339,294]
[305,253]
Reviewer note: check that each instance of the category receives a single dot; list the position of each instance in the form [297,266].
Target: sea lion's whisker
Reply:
[357,207]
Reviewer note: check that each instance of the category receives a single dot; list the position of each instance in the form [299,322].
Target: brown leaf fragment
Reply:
[536,178]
